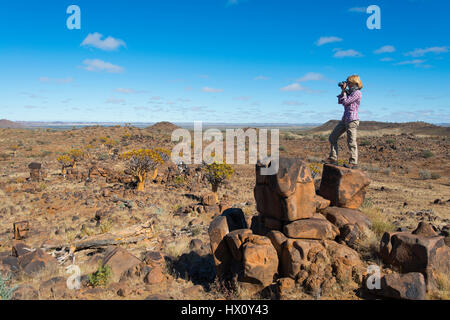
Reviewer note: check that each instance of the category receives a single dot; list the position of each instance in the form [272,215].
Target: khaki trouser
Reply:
[351,129]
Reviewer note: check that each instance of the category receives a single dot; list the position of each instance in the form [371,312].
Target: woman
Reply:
[350,98]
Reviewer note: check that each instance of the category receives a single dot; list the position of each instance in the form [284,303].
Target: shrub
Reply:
[424,174]
[5,291]
[365,143]
[141,162]
[390,141]
[101,277]
[76,155]
[103,157]
[217,173]
[427,154]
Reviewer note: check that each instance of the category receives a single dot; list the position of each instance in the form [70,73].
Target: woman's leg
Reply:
[334,136]
[352,129]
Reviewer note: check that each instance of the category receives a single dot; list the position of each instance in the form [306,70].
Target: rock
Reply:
[296,255]
[9,264]
[121,262]
[311,229]
[154,258]
[277,238]
[217,231]
[21,229]
[425,229]
[235,219]
[209,199]
[343,216]
[157,297]
[36,261]
[343,187]
[288,195]
[25,292]
[121,289]
[272,224]
[285,285]
[19,249]
[155,276]
[409,286]
[193,292]
[55,288]
[260,260]
[235,239]
[417,253]
[321,203]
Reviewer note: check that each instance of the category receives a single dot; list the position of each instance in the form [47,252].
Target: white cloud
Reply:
[358,9]
[207,89]
[293,87]
[108,44]
[422,52]
[415,62]
[385,49]
[96,65]
[125,90]
[311,76]
[293,103]
[113,100]
[325,40]
[346,53]
[61,80]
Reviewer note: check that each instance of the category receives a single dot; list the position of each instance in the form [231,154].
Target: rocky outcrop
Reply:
[343,187]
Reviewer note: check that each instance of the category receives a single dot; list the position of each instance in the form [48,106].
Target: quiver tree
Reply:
[109,143]
[165,156]
[76,155]
[216,174]
[140,163]
[66,162]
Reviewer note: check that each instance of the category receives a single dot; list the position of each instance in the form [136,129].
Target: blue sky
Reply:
[223,61]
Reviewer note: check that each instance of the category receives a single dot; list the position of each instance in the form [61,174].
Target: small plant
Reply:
[141,162]
[179,179]
[106,226]
[101,277]
[390,141]
[315,169]
[217,173]
[427,154]
[424,174]
[380,222]
[365,143]
[103,157]
[5,291]
[14,149]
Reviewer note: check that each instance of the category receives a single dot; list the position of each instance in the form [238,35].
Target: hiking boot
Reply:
[330,161]
[351,166]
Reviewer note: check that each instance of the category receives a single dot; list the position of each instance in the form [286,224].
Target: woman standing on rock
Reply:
[350,98]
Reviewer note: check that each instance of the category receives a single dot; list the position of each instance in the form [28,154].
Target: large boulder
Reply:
[231,219]
[417,253]
[354,226]
[235,239]
[289,194]
[343,187]
[311,229]
[121,262]
[408,286]
[36,261]
[297,255]
[260,260]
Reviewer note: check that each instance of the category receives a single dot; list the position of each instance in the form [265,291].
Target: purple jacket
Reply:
[351,104]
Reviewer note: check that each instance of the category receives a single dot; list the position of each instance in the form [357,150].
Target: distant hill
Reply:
[419,128]
[9,124]
[163,126]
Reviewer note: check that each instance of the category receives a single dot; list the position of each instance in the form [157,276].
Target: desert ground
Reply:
[410,182]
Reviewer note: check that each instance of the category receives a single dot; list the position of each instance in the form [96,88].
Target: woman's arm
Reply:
[347,100]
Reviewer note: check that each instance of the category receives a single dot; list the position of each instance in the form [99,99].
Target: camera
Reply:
[341,84]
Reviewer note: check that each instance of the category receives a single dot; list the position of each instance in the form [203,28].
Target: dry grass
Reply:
[380,222]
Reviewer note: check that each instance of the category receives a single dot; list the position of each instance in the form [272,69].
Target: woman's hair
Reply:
[355,80]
